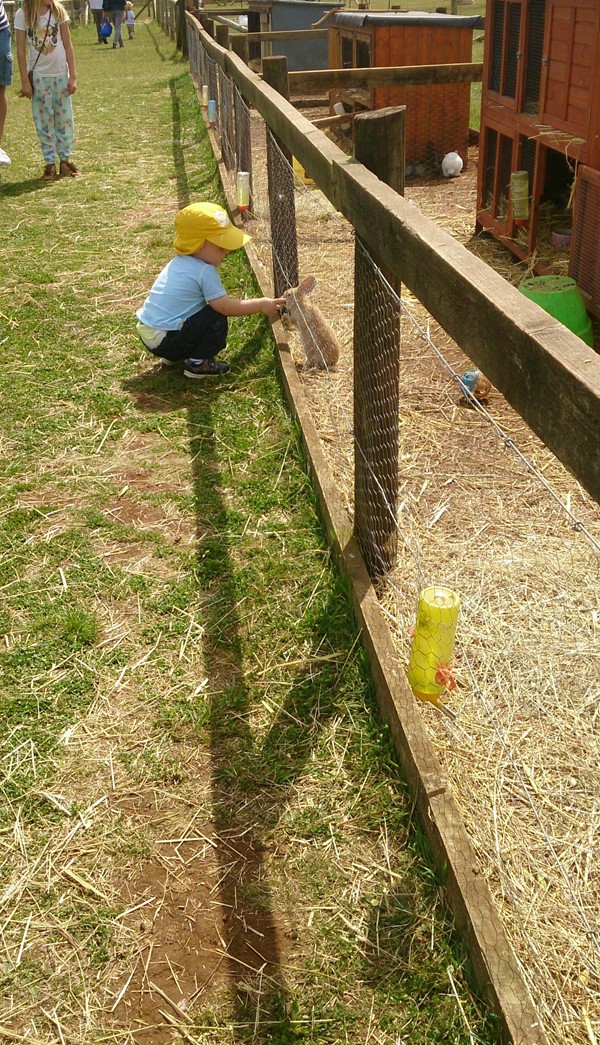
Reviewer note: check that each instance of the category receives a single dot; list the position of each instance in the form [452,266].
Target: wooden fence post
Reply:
[379,145]
[208,24]
[181,42]
[222,35]
[239,46]
[281,190]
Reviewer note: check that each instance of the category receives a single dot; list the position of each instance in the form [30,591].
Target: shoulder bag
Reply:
[30,73]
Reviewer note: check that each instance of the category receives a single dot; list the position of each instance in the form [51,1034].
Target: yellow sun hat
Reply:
[201,222]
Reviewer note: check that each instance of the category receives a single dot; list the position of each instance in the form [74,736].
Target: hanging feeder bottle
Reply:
[242,190]
[430,667]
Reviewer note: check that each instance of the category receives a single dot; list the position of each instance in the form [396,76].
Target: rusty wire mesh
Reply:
[493,599]
[225,110]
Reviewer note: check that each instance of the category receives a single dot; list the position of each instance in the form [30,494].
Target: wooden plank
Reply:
[239,44]
[289,34]
[386,76]
[332,121]
[223,11]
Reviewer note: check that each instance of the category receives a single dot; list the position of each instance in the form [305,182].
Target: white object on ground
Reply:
[452,165]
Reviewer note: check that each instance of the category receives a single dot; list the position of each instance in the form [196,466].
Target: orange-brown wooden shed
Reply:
[437,115]
[541,115]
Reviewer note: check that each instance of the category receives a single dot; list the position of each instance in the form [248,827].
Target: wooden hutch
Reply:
[265,16]
[541,114]
[437,115]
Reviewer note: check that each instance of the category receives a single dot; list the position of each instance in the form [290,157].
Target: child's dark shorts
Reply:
[202,336]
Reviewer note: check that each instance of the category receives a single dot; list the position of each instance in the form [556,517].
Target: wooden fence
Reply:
[549,376]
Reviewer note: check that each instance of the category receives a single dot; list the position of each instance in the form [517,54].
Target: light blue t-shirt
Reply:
[184,286]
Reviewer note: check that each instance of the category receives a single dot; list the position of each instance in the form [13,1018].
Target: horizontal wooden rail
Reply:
[289,34]
[223,9]
[386,76]
[334,121]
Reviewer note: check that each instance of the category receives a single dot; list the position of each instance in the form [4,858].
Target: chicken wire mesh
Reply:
[489,554]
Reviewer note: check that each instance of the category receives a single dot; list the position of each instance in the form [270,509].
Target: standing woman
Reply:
[47,67]
[115,10]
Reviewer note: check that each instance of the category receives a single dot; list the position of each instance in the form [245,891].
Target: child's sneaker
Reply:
[4,158]
[209,368]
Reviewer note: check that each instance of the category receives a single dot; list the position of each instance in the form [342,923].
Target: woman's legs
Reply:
[116,18]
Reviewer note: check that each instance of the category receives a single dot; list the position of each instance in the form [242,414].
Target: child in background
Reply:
[129,18]
[45,51]
[185,314]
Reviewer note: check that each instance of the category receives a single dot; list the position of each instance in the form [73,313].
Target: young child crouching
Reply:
[185,316]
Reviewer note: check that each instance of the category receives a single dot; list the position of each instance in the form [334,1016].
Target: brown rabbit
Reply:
[321,346]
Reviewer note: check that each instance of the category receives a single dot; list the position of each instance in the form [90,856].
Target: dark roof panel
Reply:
[355,19]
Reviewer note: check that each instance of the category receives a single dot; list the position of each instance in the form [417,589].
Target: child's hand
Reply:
[272,305]
[26,89]
[71,85]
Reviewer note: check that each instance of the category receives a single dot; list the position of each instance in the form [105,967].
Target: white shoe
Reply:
[4,159]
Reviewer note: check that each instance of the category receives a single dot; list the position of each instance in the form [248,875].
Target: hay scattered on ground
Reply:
[518,538]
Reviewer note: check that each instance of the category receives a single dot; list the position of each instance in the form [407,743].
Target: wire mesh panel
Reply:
[192,46]
[376,362]
[243,140]
[212,80]
[227,121]
[202,65]
[283,218]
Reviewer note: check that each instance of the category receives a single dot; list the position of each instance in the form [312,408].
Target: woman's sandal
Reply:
[68,167]
[49,172]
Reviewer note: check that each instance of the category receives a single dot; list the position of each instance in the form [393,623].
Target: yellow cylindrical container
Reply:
[242,190]
[433,642]
[519,196]
[205,95]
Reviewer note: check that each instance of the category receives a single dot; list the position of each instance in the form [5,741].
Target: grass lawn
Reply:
[203,833]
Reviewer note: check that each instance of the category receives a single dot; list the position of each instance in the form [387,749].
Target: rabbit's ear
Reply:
[307,285]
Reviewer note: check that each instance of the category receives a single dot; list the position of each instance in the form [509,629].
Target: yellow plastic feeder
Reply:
[430,667]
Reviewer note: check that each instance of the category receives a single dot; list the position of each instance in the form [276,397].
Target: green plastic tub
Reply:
[560,297]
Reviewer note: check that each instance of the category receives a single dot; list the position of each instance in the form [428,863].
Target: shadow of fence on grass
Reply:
[255,770]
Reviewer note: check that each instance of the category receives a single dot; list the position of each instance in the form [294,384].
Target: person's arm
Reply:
[65,33]
[26,88]
[227,306]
